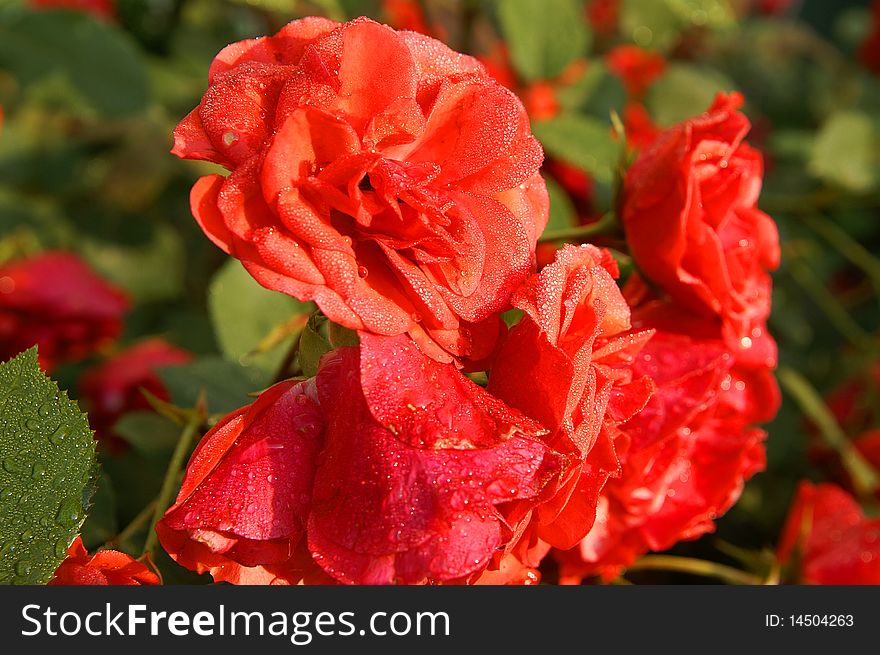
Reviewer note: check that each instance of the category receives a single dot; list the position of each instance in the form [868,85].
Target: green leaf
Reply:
[96,61]
[47,471]
[226,384]
[148,433]
[844,151]
[134,267]
[658,23]
[101,525]
[684,91]
[543,36]
[313,343]
[243,314]
[562,211]
[582,141]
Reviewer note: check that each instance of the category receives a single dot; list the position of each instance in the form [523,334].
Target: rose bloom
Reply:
[685,456]
[692,224]
[378,173]
[389,467]
[568,365]
[114,387]
[54,300]
[637,68]
[828,540]
[106,567]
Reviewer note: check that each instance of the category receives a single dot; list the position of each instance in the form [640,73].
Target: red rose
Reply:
[380,174]
[106,567]
[567,364]
[685,456]
[412,480]
[829,539]
[243,506]
[603,15]
[112,388]
[637,68]
[693,227]
[55,301]
[424,472]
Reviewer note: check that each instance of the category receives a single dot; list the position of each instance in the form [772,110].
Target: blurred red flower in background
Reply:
[54,300]
[113,387]
[828,540]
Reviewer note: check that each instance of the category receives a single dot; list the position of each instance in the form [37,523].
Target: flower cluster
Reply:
[395,183]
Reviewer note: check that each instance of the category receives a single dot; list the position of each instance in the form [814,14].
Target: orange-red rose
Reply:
[106,567]
[378,173]
[693,226]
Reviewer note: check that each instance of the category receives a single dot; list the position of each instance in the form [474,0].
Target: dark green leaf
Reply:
[243,314]
[226,384]
[582,141]
[96,61]
[47,476]
[543,36]
[313,343]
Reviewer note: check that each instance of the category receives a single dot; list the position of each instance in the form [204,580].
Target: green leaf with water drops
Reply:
[47,472]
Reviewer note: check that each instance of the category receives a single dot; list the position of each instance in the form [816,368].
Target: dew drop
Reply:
[363,271]
[32,424]
[11,466]
[229,138]
[45,410]
[60,548]
[68,512]
[23,567]
[57,437]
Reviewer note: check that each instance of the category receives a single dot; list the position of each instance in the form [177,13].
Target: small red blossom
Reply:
[637,68]
[603,15]
[567,364]
[378,173]
[106,567]
[54,300]
[113,387]
[104,9]
[692,222]
[828,540]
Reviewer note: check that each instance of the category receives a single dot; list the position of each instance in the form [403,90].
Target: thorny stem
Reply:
[163,500]
[864,477]
[694,566]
